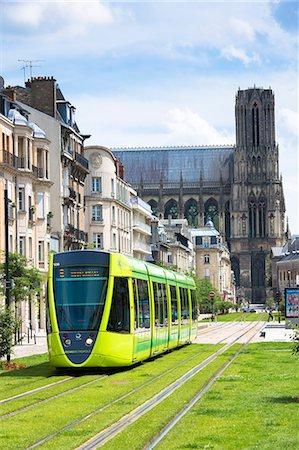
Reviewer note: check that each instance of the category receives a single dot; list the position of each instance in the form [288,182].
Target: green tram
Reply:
[108,310]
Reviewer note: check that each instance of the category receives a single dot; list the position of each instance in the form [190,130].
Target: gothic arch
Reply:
[191,212]
[252,207]
[171,209]
[154,205]
[212,211]
[262,205]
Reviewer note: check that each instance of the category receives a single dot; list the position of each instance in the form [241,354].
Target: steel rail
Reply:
[197,397]
[34,391]
[110,432]
[53,397]
[98,410]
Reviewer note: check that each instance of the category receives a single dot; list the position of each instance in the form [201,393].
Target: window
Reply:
[97,213]
[41,251]
[96,184]
[98,240]
[141,304]
[40,205]
[119,320]
[112,188]
[206,259]
[160,305]
[213,240]
[198,240]
[21,198]
[207,272]
[174,306]
[22,245]
[113,213]
[185,310]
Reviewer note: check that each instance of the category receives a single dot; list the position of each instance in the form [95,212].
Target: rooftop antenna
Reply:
[28,63]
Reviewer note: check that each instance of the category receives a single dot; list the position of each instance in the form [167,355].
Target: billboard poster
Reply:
[292,302]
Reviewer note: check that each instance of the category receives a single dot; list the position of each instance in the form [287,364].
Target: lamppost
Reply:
[7,279]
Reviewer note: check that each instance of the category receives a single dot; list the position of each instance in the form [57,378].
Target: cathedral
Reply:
[238,187]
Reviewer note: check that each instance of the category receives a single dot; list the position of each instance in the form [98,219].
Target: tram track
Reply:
[48,386]
[109,433]
[132,392]
[196,398]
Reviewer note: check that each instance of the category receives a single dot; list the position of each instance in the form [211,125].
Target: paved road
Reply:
[208,333]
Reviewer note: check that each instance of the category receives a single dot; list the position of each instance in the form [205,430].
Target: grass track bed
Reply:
[62,411]
[238,317]
[251,406]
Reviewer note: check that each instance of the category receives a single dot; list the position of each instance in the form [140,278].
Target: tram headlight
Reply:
[89,341]
[67,342]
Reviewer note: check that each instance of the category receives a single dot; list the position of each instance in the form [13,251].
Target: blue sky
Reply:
[161,73]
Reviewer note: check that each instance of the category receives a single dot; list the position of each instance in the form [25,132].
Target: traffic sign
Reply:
[212,294]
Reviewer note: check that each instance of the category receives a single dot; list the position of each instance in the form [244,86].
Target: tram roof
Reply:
[170,164]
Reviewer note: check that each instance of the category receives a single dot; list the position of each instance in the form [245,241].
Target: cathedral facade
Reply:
[239,187]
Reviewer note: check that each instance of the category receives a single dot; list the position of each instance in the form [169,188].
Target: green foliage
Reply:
[296,343]
[26,279]
[7,327]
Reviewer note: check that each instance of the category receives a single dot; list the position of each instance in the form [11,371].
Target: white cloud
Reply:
[59,15]
[243,29]
[289,119]
[231,52]
[189,127]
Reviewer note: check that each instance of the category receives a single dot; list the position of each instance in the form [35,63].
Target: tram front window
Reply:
[80,294]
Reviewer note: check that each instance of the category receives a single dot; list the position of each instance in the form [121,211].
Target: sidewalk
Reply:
[29,349]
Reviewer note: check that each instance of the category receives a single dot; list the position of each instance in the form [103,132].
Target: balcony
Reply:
[10,159]
[142,228]
[81,160]
[38,172]
[74,234]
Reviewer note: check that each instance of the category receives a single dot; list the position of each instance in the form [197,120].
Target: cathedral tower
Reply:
[257,200]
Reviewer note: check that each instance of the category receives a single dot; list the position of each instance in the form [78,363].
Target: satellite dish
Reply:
[1,82]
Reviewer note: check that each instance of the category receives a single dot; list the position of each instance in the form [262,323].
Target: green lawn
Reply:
[239,316]
[253,405]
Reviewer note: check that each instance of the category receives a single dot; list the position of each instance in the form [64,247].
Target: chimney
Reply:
[121,171]
[116,168]
[43,94]
[10,92]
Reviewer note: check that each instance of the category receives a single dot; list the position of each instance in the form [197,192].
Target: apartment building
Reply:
[116,219]
[25,175]
[49,109]
[213,260]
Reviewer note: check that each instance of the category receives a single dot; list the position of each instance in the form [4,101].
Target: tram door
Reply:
[142,326]
[160,335]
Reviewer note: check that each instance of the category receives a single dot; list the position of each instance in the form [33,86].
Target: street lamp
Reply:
[7,279]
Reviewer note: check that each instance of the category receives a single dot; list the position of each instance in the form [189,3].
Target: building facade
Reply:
[47,107]
[239,187]
[213,260]
[116,219]
[25,176]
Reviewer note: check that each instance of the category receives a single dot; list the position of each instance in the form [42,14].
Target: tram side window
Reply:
[194,306]
[160,304]
[174,305]
[141,304]
[119,320]
[185,313]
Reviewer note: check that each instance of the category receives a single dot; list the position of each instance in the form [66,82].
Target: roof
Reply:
[169,164]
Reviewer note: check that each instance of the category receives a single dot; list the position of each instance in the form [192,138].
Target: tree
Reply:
[7,326]
[26,285]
